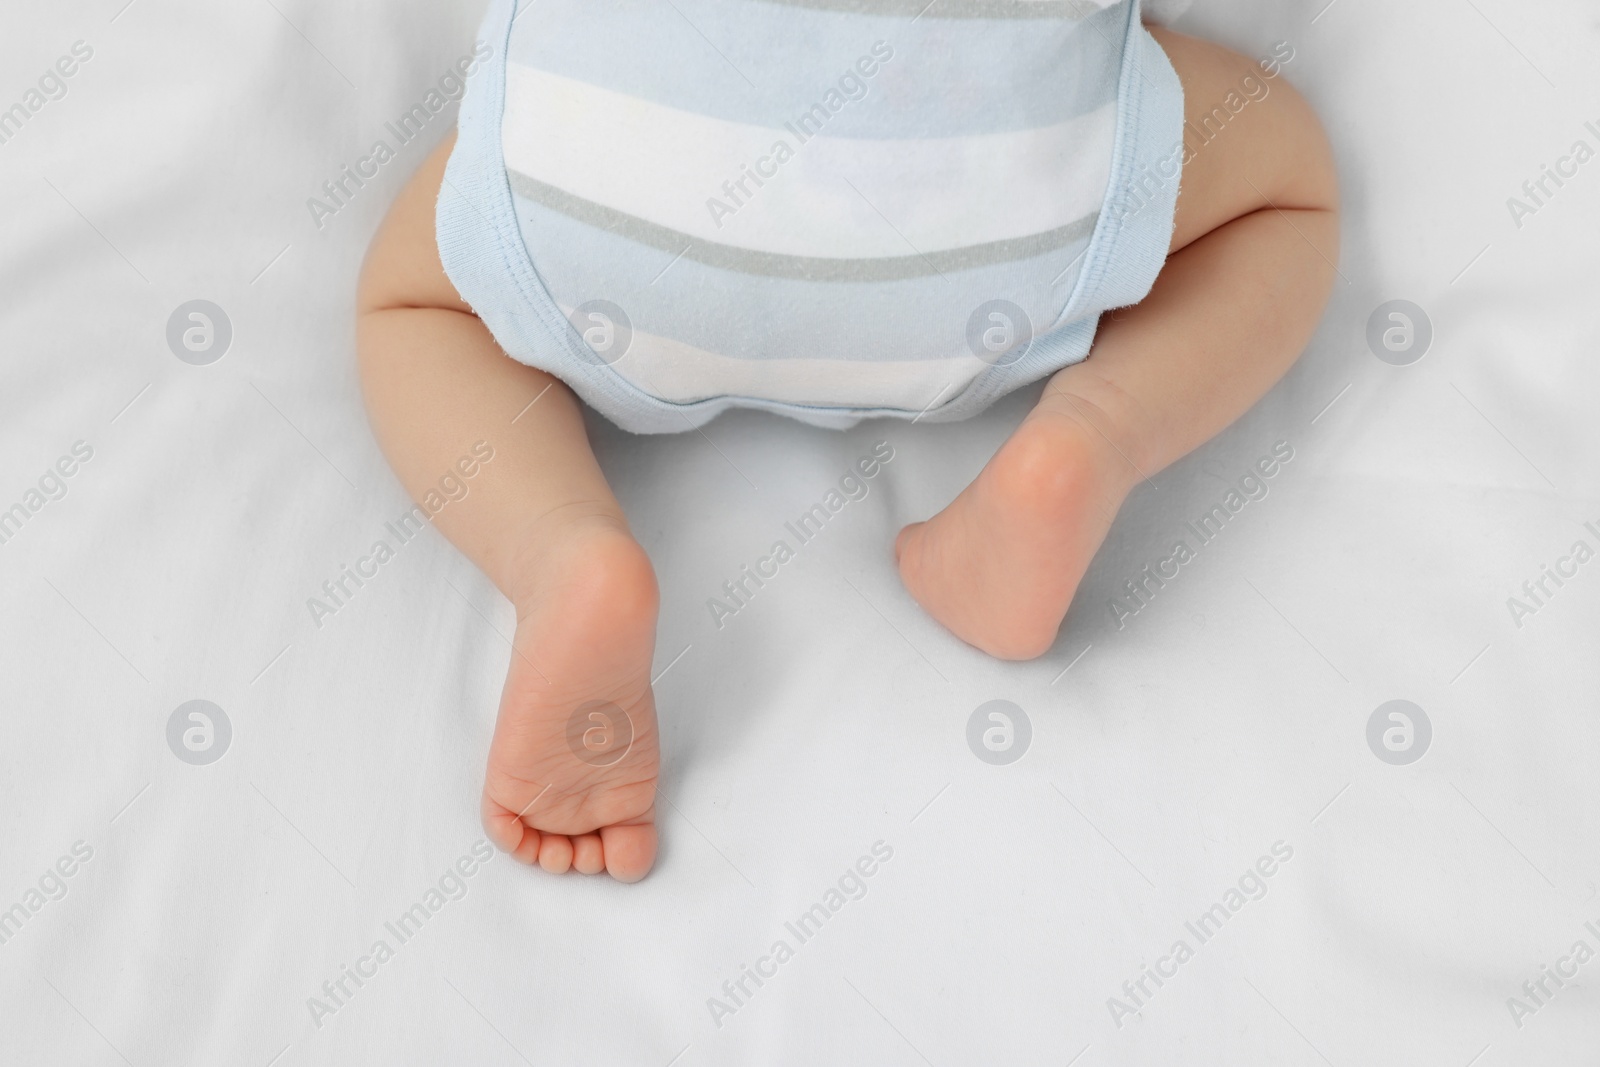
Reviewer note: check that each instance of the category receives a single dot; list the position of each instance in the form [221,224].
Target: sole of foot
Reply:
[572,768]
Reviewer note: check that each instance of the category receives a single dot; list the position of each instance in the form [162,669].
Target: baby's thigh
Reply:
[402,268]
[1267,146]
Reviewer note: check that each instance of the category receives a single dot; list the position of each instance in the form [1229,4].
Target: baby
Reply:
[834,210]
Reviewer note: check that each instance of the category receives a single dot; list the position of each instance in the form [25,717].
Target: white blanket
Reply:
[166,910]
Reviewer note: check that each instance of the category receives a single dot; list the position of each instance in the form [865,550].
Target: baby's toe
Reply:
[509,833]
[555,853]
[629,850]
[528,850]
[588,857]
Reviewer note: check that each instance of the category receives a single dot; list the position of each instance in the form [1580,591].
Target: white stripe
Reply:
[682,373]
[662,164]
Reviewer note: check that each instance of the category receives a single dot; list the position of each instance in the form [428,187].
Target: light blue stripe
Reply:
[946,78]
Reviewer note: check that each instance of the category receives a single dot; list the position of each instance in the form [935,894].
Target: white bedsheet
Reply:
[1167,756]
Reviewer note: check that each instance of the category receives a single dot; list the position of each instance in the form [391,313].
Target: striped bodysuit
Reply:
[829,208]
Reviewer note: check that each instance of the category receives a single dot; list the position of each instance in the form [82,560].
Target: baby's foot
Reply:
[572,767]
[1000,565]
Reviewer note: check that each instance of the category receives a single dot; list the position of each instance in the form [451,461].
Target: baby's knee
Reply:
[402,267]
[1291,134]
[1247,134]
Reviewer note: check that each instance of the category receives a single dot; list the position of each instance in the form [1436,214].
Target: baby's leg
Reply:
[543,525]
[1257,234]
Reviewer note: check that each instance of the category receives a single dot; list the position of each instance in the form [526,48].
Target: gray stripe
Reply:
[956,9]
[803,268]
